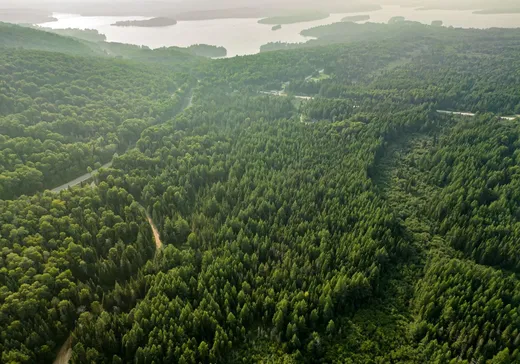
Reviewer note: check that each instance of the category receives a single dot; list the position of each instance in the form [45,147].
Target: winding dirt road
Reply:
[65,353]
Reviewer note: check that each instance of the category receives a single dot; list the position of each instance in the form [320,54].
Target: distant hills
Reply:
[76,42]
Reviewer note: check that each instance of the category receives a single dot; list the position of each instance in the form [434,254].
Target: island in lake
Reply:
[498,11]
[355,18]
[296,18]
[149,23]
[277,27]
[437,23]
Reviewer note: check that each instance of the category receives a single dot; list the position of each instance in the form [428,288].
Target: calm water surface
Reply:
[245,36]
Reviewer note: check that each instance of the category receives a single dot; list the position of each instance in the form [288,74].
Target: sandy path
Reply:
[65,352]
[156,236]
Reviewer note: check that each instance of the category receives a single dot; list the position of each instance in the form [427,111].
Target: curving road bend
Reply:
[77,181]
[65,353]
[80,179]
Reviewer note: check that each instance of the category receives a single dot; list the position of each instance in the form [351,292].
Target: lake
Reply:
[245,36]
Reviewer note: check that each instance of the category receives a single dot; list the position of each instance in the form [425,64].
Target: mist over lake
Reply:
[245,36]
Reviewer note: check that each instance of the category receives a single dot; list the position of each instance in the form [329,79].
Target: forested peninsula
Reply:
[150,23]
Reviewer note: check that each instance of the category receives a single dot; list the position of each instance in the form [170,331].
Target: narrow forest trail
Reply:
[190,101]
[156,236]
[65,353]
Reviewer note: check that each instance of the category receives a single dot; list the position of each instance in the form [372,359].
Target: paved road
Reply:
[456,113]
[80,179]
[514,117]
[65,352]
[88,176]
[308,78]
[283,94]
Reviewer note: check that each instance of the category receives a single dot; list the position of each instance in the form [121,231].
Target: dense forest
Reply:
[348,31]
[300,206]
[84,42]
[90,35]
[61,114]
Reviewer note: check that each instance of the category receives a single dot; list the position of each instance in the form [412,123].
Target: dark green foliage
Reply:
[328,109]
[241,216]
[58,255]
[476,165]
[471,308]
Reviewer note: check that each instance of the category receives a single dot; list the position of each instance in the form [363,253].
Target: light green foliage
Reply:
[59,254]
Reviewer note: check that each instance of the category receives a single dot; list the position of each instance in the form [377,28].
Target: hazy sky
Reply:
[219,3]
[184,5]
